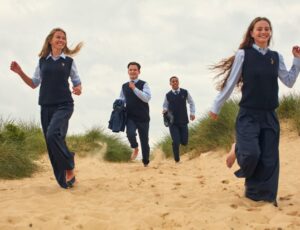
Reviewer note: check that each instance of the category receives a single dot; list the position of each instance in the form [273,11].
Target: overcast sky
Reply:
[168,37]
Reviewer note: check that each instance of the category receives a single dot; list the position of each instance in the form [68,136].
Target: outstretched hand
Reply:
[296,51]
[15,67]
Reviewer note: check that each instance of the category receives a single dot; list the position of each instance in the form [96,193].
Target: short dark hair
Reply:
[134,63]
[173,77]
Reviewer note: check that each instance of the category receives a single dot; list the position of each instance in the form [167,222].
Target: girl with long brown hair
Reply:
[256,68]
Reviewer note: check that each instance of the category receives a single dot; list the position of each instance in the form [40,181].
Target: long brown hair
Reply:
[46,50]
[225,65]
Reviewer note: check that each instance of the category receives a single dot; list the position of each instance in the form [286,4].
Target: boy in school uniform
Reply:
[175,104]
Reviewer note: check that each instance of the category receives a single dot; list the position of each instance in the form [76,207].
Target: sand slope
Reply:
[198,194]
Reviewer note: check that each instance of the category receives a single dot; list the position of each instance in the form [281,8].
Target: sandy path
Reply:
[197,194]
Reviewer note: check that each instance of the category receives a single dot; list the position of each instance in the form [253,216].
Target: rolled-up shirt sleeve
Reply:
[145,94]
[165,104]
[74,75]
[36,79]
[192,104]
[288,78]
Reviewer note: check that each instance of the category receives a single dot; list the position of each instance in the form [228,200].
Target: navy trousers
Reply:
[55,121]
[180,136]
[143,130]
[257,143]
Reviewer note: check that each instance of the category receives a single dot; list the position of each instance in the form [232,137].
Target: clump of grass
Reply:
[289,108]
[207,134]
[14,164]
[93,142]
[20,144]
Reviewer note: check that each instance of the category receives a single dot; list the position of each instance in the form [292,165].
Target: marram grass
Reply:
[206,134]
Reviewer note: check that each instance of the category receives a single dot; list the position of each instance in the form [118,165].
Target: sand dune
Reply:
[197,194]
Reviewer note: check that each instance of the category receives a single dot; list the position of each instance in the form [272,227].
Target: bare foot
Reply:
[69,175]
[134,154]
[231,156]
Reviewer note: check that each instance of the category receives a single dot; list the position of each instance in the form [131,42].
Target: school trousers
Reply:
[55,121]
[180,135]
[143,130]
[257,152]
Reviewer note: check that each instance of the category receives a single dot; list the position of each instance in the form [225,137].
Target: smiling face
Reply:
[261,33]
[133,72]
[58,41]
[174,82]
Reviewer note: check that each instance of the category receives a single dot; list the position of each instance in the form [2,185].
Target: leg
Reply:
[131,135]
[184,134]
[175,135]
[247,143]
[46,116]
[55,137]
[231,156]
[143,129]
[264,183]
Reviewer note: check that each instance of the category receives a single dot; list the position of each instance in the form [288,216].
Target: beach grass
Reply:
[208,135]
[22,144]
[95,141]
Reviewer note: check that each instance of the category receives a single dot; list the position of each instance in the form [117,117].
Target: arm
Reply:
[192,107]
[15,67]
[289,78]
[230,84]
[145,94]
[165,105]
[77,88]
[122,97]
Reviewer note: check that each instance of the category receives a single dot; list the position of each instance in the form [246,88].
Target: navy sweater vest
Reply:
[177,105]
[54,87]
[137,110]
[260,80]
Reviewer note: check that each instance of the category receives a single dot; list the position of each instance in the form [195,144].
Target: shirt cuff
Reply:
[35,81]
[76,83]
[296,62]
[136,90]
[215,110]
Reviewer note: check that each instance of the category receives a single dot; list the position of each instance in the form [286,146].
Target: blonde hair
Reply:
[46,50]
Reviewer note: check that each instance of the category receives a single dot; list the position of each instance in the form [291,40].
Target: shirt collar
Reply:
[178,90]
[61,55]
[135,81]
[259,49]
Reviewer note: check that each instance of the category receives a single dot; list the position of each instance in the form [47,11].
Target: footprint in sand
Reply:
[287,197]
[293,213]
[164,215]
[234,206]
[225,181]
